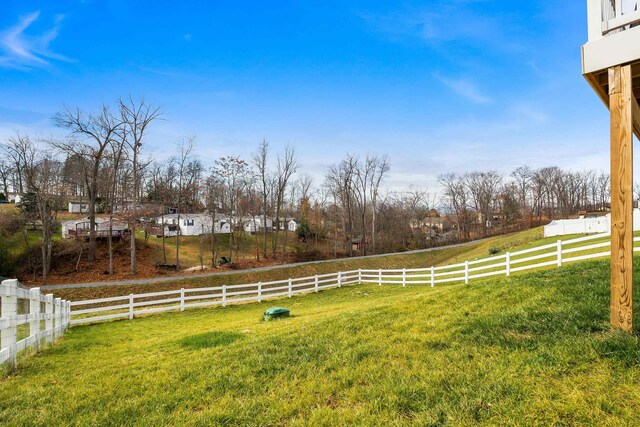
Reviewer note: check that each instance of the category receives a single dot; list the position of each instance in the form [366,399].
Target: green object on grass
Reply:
[276,312]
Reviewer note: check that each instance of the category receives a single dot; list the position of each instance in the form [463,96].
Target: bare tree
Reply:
[136,117]
[113,172]
[380,170]
[286,166]
[455,195]
[95,132]
[484,188]
[232,172]
[184,156]
[340,181]
[305,182]
[16,148]
[6,170]
[161,189]
[43,180]
[522,177]
[213,196]
[260,162]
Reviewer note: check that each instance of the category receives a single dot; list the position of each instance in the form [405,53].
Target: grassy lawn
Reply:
[533,349]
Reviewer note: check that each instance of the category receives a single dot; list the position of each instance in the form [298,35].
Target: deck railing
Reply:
[28,320]
[553,254]
[611,16]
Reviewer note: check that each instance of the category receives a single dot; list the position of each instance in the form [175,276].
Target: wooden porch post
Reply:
[620,105]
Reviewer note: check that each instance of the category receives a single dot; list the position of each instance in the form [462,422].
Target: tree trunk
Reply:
[264,225]
[134,265]
[178,243]
[230,236]
[110,240]
[202,250]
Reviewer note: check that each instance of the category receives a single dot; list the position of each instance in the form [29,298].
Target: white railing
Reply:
[609,16]
[129,306]
[553,254]
[28,320]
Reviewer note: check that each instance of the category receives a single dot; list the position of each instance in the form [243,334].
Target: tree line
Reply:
[104,160]
[481,202]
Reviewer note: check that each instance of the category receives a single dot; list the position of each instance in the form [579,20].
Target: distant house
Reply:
[78,207]
[14,198]
[124,206]
[189,225]
[80,228]
[289,224]
[437,224]
[254,224]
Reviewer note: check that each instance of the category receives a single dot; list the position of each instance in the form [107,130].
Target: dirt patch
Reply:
[68,270]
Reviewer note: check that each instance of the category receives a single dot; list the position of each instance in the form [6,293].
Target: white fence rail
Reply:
[553,254]
[28,319]
[129,306]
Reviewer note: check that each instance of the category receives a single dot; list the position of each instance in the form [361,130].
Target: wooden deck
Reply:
[100,234]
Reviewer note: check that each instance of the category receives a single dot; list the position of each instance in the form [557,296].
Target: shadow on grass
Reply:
[209,340]
[573,308]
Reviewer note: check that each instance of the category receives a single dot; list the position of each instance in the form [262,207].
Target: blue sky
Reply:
[439,86]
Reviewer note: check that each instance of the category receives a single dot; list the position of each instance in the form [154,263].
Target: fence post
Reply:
[466,272]
[507,267]
[433,276]
[130,306]
[68,314]
[9,310]
[360,276]
[259,291]
[34,312]
[64,315]
[559,253]
[339,279]
[404,277]
[380,277]
[181,299]
[290,288]
[316,283]
[48,309]
[57,327]
[224,295]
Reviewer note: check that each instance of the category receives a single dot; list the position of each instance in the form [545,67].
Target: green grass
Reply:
[532,349]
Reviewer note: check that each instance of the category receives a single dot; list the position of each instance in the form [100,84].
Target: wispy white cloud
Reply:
[23,50]
[443,22]
[465,88]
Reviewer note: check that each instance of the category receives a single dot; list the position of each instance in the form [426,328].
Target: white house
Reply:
[14,198]
[254,224]
[602,224]
[78,207]
[289,224]
[192,224]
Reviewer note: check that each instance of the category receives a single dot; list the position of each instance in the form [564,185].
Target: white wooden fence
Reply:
[553,254]
[28,319]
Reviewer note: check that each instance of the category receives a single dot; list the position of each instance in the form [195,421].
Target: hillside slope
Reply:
[530,349]
[439,256]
